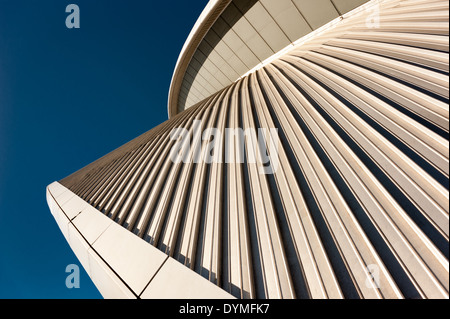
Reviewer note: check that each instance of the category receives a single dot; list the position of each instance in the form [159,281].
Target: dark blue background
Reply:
[67,97]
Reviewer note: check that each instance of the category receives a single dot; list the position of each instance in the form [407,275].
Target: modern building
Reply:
[348,192]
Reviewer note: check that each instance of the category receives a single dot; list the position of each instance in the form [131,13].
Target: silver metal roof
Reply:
[232,37]
[359,205]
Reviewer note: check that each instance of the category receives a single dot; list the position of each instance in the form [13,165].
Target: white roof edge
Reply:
[188,51]
[121,264]
[213,9]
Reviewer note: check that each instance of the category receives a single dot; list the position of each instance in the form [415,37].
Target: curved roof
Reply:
[356,205]
[231,37]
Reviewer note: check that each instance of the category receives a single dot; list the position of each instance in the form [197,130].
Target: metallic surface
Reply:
[120,264]
[361,191]
[230,38]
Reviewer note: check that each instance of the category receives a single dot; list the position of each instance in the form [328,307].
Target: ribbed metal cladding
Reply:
[363,180]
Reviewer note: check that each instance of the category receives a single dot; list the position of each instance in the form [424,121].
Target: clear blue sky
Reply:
[67,97]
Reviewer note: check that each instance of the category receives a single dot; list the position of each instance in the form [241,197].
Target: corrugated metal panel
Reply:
[362,183]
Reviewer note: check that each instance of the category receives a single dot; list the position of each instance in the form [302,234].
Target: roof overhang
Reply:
[232,38]
[207,18]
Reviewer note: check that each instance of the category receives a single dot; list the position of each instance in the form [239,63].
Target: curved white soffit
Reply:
[121,264]
[207,18]
[263,28]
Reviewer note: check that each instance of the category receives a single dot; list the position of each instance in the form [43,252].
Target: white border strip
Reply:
[121,264]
